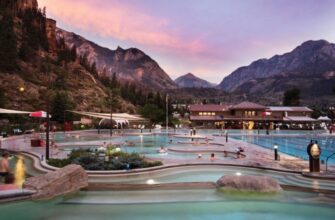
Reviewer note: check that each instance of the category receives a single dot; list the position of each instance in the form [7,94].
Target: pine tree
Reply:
[292,97]
[2,98]
[59,105]
[8,44]
[114,82]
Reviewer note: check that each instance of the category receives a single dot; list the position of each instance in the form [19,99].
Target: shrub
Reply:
[59,162]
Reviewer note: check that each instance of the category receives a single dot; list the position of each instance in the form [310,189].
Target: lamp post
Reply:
[111,111]
[314,152]
[47,130]
[275,148]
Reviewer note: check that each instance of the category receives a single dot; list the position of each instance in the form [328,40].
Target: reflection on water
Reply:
[19,172]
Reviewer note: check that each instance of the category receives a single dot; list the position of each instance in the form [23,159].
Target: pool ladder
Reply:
[327,161]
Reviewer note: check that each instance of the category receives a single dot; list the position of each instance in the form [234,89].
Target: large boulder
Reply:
[248,183]
[65,180]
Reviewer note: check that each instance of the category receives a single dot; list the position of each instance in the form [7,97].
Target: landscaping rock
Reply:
[249,183]
[65,180]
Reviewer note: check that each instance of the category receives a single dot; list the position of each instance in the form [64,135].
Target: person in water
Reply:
[212,157]
[4,165]
[9,183]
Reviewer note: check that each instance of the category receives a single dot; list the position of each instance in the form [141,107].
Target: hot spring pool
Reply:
[172,204]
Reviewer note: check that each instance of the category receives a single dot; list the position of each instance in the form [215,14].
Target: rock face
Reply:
[249,183]
[309,67]
[191,81]
[65,180]
[128,64]
[51,35]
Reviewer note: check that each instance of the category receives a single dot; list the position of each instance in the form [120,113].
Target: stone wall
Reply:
[65,180]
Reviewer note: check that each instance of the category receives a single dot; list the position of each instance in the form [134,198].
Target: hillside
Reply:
[309,67]
[35,68]
[128,64]
[191,81]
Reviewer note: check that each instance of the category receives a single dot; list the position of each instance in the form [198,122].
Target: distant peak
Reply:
[312,44]
[119,48]
[190,75]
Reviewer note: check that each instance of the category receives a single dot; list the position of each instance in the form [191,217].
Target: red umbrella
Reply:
[39,114]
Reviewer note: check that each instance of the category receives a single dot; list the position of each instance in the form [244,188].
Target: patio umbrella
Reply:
[39,114]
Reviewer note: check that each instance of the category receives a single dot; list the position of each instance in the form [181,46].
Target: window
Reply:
[201,113]
[249,113]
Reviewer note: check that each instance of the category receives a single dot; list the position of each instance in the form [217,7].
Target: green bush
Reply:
[117,161]
[59,162]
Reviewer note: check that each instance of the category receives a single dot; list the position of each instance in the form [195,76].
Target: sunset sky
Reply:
[210,38]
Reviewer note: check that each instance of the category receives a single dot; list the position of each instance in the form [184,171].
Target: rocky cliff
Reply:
[128,64]
[34,68]
[191,81]
[309,67]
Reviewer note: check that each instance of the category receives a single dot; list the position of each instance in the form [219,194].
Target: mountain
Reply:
[35,68]
[310,67]
[128,64]
[191,81]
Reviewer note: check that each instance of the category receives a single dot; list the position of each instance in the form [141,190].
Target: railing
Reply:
[327,161]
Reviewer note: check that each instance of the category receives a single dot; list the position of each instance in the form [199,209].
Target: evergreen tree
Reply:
[59,105]
[153,113]
[93,69]
[292,97]
[2,98]
[8,44]
[158,100]
[73,53]
[114,82]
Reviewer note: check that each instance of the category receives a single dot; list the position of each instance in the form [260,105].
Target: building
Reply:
[249,115]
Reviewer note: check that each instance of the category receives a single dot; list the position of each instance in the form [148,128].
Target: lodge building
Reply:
[250,115]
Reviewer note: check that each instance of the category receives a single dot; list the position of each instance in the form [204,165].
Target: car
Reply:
[3,134]
[17,131]
[29,131]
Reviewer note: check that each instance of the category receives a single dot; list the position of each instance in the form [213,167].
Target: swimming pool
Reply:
[295,146]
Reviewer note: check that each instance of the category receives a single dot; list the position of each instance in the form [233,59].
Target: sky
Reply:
[209,38]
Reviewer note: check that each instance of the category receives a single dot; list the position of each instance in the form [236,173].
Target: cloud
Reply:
[124,22]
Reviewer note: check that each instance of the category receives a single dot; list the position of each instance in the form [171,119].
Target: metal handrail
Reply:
[327,161]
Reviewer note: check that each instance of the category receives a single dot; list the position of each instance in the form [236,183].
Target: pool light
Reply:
[275,148]
[150,181]
[238,174]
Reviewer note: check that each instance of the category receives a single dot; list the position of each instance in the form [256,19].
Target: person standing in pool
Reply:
[4,165]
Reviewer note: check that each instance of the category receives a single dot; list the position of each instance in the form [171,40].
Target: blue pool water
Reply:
[182,204]
[295,146]
[149,144]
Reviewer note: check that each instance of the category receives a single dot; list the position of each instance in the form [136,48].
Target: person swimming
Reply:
[162,150]
[212,157]
[4,164]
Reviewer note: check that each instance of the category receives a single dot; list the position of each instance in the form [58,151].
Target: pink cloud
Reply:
[123,22]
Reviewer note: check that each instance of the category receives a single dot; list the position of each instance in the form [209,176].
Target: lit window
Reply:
[205,113]
[213,113]
[201,113]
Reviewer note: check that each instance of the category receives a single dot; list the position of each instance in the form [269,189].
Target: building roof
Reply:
[323,118]
[299,119]
[209,107]
[10,111]
[248,105]
[289,109]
